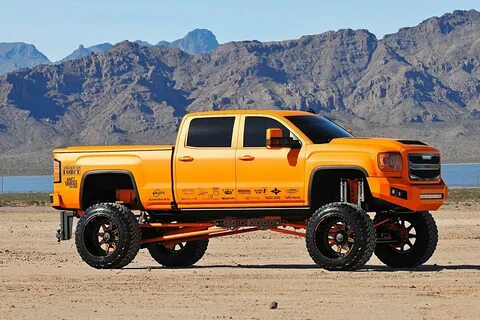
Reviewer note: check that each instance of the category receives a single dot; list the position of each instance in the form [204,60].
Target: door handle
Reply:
[246,158]
[186,159]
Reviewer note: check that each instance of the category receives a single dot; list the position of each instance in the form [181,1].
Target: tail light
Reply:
[390,161]
[57,171]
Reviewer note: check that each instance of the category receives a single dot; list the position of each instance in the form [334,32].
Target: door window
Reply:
[254,134]
[211,132]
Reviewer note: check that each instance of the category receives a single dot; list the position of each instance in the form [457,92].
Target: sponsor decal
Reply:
[228,198]
[71,183]
[272,197]
[275,191]
[188,191]
[71,170]
[260,191]
[216,191]
[227,191]
[202,191]
[189,198]
[157,193]
[290,197]
[292,190]
[244,191]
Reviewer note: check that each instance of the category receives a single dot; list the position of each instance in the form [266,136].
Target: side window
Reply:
[211,132]
[256,128]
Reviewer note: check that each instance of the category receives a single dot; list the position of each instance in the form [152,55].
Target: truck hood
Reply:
[383,144]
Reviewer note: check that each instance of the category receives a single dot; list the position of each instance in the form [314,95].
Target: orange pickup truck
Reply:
[233,172]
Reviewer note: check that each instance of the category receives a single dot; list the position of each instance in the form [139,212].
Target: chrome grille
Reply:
[424,167]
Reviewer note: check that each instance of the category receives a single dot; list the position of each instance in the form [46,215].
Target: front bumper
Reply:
[415,197]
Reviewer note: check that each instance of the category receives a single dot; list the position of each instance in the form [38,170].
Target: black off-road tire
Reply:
[187,256]
[127,229]
[425,243]
[318,242]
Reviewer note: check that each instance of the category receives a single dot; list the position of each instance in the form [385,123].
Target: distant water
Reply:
[26,184]
[461,174]
[454,175]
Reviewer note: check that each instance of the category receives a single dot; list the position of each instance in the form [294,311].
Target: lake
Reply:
[454,175]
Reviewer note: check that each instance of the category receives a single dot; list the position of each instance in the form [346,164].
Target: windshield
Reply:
[318,129]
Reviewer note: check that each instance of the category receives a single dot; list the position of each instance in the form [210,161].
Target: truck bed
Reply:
[82,149]
[148,165]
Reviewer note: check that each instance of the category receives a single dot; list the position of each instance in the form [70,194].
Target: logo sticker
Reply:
[275,191]
[157,193]
[202,191]
[260,191]
[227,191]
[71,183]
[188,191]
[71,170]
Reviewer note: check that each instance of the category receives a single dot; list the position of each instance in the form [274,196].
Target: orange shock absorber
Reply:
[352,190]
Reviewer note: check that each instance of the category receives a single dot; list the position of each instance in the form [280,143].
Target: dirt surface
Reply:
[238,278]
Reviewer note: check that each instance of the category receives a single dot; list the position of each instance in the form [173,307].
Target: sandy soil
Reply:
[237,279]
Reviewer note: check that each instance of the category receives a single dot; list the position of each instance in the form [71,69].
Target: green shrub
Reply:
[24,199]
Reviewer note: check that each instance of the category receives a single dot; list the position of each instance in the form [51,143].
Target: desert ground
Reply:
[237,279]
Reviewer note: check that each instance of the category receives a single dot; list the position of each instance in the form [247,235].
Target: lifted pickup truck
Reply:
[233,172]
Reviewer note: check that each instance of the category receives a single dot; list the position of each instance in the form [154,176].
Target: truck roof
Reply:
[282,113]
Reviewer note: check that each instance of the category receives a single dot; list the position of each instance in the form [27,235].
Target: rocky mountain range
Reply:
[422,82]
[18,55]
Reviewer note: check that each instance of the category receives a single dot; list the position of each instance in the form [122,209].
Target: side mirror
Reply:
[275,139]
[350,131]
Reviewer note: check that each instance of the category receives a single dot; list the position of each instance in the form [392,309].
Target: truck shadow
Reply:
[367,268]
[424,268]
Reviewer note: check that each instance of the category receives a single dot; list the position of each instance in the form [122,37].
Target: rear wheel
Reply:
[413,237]
[107,236]
[182,254]
[340,236]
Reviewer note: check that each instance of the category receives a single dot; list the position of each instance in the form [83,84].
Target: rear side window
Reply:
[254,134]
[211,132]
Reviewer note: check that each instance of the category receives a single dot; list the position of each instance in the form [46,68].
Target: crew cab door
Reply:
[204,161]
[268,177]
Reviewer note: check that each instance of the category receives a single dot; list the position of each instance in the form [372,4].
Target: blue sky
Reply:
[57,27]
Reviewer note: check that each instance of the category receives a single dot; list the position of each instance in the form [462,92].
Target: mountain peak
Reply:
[84,52]
[200,32]
[445,24]
[17,55]
[194,42]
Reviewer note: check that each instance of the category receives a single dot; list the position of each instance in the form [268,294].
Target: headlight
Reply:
[390,161]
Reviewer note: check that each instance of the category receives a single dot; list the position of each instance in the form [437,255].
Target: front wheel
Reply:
[412,239]
[340,236]
[182,254]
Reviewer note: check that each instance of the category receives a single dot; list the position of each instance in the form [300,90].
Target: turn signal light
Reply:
[390,161]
